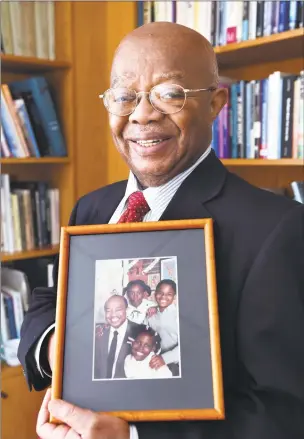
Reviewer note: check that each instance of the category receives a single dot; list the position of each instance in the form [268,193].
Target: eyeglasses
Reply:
[165,98]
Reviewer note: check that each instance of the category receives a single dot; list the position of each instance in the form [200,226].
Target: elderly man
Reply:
[163,100]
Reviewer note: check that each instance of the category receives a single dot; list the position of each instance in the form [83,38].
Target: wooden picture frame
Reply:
[79,241]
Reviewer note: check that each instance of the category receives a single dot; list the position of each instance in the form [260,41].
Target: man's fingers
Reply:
[43,428]
[77,418]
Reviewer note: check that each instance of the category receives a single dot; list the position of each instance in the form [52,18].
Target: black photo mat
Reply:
[193,390]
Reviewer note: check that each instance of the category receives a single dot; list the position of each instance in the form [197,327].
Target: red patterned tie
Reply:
[136,209]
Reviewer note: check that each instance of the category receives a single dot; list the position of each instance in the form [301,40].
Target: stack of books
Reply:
[262,119]
[225,22]
[28,28]
[30,215]
[30,126]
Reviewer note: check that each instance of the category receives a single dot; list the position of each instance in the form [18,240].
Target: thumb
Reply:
[75,417]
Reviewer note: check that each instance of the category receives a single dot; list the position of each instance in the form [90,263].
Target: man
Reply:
[111,340]
[259,245]
[138,305]
[165,323]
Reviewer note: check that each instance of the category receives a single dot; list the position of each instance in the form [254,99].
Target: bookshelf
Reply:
[247,60]
[19,406]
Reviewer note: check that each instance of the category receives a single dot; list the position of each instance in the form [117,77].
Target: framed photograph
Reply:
[137,328]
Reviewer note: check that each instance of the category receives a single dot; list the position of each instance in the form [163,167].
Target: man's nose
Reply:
[144,112]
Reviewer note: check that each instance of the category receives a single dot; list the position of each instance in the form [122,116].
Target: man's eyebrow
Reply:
[117,79]
[169,75]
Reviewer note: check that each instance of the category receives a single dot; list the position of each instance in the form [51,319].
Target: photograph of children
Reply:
[136,320]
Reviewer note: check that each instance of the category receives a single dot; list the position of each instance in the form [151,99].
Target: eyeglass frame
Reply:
[186,90]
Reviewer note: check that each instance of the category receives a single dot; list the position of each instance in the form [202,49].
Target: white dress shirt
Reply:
[120,338]
[158,199]
[166,324]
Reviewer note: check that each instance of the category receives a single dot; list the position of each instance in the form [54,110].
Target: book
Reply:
[298,190]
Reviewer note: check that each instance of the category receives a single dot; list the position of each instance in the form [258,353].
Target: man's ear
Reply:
[218,100]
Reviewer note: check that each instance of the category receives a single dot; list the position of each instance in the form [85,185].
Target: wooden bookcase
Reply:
[19,406]
[87,34]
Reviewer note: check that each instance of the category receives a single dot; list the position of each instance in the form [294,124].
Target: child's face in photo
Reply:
[164,296]
[142,346]
[135,295]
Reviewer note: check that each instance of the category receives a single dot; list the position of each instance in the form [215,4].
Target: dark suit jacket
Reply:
[101,351]
[259,248]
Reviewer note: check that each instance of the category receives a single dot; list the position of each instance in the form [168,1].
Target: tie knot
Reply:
[115,333]
[138,203]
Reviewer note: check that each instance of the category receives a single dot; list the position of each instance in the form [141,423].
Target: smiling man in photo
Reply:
[111,340]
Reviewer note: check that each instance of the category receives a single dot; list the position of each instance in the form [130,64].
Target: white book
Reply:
[41,29]
[6,27]
[16,25]
[53,195]
[185,13]
[160,11]
[296,108]
[16,223]
[234,21]
[202,17]
[252,19]
[4,145]
[18,281]
[51,29]
[5,183]
[17,305]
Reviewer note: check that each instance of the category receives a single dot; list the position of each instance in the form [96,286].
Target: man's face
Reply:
[142,346]
[115,312]
[164,296]
[135,295]
[140,65]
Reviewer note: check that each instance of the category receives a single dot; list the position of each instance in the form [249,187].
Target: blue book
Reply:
[234,92]
[39,89]
[215,135]
[248,120]
[245,27]
[140,13]
[27,127]
[9,130]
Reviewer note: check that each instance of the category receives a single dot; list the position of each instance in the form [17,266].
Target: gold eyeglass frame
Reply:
[137,93]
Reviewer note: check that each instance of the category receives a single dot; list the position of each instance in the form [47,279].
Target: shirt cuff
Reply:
[38,350]
[133,432]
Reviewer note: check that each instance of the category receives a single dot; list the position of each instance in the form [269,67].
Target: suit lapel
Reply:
[201,186]
[110,201]
[104,352]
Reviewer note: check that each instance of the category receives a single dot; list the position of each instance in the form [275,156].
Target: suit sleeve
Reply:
[40,315]
[269,401]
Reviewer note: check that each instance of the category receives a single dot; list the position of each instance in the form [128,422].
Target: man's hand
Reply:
[156,362]
[78,423]
[51,350]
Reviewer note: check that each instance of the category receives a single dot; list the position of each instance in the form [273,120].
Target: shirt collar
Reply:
[152,193]
[121,330]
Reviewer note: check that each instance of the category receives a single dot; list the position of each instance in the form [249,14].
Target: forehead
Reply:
[136,287]
[166,288]
[145,337]
[148,62]
[115,302]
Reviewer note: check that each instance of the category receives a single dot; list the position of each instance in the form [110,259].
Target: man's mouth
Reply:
[149,143]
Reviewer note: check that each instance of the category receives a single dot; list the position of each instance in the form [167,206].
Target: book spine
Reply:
[264,150]
[26,127]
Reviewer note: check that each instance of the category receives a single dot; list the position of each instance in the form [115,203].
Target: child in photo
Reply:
[165,323]
[145,346]
[138,305]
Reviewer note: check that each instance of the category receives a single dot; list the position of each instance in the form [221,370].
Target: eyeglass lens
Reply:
[166,98]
